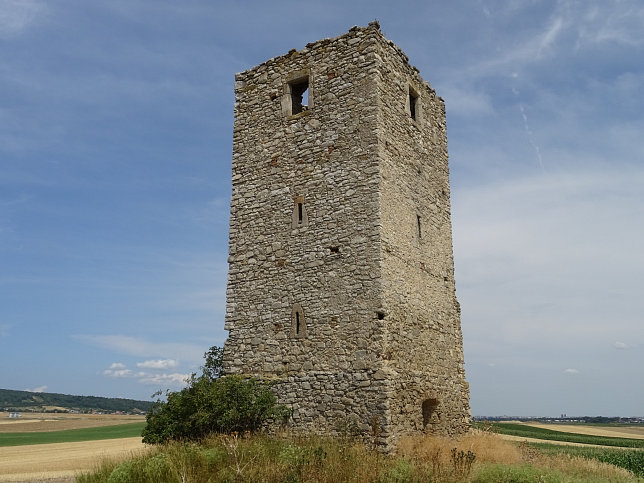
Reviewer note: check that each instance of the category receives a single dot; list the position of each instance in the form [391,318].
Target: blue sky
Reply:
[115,145]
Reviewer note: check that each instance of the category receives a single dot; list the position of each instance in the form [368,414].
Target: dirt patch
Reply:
[62,461]
[40,422]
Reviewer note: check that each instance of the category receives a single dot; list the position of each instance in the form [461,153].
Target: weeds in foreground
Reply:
[476,457]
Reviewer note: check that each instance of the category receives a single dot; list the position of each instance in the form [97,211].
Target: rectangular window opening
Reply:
[334,249]
[297,322]
[430,415]
[299,96]
[412,104]
[418,223]
[300,213]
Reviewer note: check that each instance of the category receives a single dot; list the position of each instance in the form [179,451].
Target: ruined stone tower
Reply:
[341,274]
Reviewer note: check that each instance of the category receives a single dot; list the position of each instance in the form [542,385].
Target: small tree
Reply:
[214,362]
[212,403]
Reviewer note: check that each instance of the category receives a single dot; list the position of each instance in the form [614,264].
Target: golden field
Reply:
[636,432]
[37,422]
[62,461]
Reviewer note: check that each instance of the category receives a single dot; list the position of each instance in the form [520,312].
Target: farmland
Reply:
[619,445]
[37,462]
[39,422]
[595,435]
[38,446]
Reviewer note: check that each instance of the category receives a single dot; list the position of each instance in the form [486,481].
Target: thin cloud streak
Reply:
[143,348]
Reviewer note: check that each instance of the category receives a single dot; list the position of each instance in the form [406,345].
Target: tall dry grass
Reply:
[477,457]
[521,462]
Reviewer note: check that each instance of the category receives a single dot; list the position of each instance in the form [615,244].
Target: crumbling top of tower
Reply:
[371,28]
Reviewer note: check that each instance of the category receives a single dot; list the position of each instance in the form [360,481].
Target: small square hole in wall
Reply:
[334,249]
[299,95]
[380,315]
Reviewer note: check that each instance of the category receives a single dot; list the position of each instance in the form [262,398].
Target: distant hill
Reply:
[11,400]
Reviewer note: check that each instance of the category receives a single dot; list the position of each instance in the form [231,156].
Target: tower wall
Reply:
[326,265]
[424,342]
[332,294]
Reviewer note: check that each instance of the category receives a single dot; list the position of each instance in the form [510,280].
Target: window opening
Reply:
[334,249]
[381,315]
[299,96]
[298,322]
[413,98]
[430,416]
[299,217]
[418,225]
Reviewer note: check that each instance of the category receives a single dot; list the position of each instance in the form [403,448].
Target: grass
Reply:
[129,430]
[477,457]
[526,431]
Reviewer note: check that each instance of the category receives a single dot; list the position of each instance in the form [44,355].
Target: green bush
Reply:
[495,473]
[212,404]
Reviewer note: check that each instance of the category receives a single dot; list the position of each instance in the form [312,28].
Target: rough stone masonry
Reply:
[341,274]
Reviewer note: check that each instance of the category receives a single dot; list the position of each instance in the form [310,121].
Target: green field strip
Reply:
[627,458]
[129,430]
[525,431]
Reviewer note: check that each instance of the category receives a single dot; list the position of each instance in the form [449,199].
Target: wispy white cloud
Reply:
[549,36]
[145,348]
[465,101]
[42,388]
[530,136]
[622,345]
[533,255]
[17,15]
[4,330]
[571,371]
[158,364]
[174,379]
[612,21]
[119,371]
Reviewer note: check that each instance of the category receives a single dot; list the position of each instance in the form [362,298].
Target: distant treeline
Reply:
[11,400]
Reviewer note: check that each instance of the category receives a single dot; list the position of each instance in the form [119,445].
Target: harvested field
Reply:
[62,460]
[39,422]
[636,432]
[508,437]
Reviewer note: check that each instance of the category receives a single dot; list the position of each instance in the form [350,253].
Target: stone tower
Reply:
[341,273]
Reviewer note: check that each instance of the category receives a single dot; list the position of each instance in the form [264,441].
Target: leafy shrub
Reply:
[401,471]
[212,404]
[122,473]
[518,474]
